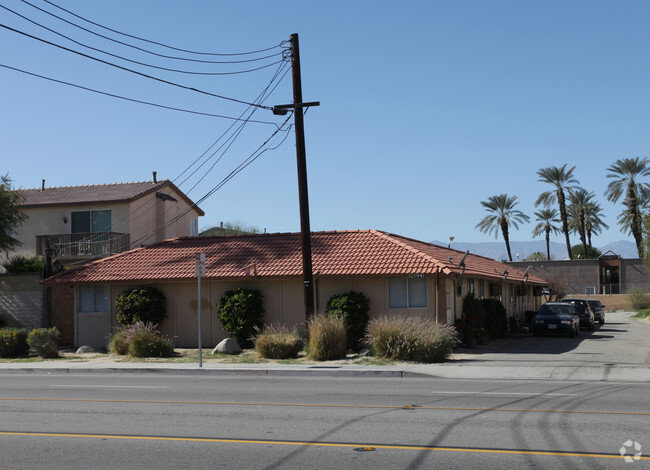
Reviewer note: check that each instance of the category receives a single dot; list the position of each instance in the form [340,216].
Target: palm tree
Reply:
[626,173]
[502,215]
[594,221]
[547,219]
[579,202]
[562,179]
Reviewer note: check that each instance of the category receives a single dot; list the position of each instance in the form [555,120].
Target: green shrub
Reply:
[637,299]
[241,312]
[411,339]
[44,341]
[278,342]
[13,342]
[147,305]
[24,264]
[353,307]
[496,318]
[147,343]
[327,338]
[474,314]
[119,342]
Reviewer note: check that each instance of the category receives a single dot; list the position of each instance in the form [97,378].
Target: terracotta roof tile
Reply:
[334,254]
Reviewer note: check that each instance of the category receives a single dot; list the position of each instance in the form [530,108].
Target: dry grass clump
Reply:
[327,338]
[411,339]
[278,342]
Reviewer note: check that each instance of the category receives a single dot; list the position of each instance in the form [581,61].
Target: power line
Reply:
[133,71]
[144,64]
[151,52]
[133,99]
[165,45]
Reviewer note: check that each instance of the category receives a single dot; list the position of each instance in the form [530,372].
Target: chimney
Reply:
[154,177]
[43,186]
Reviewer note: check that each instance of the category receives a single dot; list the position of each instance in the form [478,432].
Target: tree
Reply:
[503,215]
[593,221]
[626,173]
[11,215]
[547,219]
[579,203]
[579,252]
[536,256]
[563,180]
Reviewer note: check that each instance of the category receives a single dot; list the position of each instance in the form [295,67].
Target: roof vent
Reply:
[155,180]
[43,186]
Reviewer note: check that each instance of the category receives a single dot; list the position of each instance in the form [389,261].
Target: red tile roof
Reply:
[96,193]
[360,253]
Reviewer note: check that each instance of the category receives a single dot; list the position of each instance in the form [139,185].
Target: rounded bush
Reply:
[278,342]
[241,312]
[327,338]
[45,341]
[119,343]
[354,308]
[147,305]
[146,343]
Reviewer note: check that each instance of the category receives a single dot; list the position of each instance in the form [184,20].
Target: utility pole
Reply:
[305,229]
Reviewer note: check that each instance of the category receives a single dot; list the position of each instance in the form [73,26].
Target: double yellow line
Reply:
[361,447]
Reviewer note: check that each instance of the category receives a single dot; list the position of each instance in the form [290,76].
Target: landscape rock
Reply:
[86,350]
[227,346]
[364,352]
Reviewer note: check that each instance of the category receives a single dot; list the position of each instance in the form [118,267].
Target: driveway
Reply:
[620,341]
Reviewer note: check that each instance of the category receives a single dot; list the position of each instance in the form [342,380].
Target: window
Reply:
[194,231]
[481,289]
[91,221]
[407,292]
[470,286]
[93,299]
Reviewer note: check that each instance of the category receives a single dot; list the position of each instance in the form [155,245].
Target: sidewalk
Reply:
[462,366]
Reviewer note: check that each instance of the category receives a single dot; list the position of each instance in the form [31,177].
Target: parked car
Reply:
[559,318]
[586,315]
[598,309]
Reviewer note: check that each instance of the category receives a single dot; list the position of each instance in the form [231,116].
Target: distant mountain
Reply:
[497,250]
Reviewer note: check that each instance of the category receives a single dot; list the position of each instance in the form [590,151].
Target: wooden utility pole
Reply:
[305,229]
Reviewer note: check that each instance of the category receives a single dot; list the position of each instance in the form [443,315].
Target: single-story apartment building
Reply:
[400,276]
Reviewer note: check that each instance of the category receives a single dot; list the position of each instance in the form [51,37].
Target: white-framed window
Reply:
[470,286]
[93,299]
[407,292]
[481,289]
[194,228]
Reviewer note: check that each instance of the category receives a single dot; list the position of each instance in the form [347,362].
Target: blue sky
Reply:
[427,108]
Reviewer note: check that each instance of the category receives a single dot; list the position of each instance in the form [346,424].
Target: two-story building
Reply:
[85,223]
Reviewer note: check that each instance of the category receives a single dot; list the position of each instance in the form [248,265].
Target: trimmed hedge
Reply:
[44,341]
[354,308]
[13,342]
[241,313]
[146,304]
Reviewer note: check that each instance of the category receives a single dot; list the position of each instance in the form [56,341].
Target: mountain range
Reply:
[520,250]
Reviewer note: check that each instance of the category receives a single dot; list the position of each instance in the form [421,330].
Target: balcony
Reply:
[84,245]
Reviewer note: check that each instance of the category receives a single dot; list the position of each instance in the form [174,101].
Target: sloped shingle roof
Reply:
[96,193]
[361,253]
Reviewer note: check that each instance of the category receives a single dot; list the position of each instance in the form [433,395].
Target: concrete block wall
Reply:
[21,300]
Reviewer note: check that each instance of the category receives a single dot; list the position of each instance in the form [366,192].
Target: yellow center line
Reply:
[320,405]
[319,444]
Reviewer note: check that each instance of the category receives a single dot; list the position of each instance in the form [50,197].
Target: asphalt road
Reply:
[162,421]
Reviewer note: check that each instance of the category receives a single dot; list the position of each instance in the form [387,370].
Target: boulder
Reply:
[227,346]
[364,352]
[85,350]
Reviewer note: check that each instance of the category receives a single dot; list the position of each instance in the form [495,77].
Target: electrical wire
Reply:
[165,45]
[200,113]
[144,64]
[146,50]
[132,71]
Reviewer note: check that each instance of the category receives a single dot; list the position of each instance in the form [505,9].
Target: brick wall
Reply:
[21,300]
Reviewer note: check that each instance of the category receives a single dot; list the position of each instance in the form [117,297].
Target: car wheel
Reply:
[602,321]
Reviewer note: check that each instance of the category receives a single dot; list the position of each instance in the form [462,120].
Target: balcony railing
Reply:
[79,245]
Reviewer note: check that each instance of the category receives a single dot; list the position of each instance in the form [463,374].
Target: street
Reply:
[136,420]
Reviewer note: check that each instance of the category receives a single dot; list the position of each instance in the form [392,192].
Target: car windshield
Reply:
[555,310]
[594,303]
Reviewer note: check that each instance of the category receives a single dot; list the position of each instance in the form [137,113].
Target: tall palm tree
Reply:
[547,219]
[563,180]
[580,201]
[502,215]
[626,173]
[594,221]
